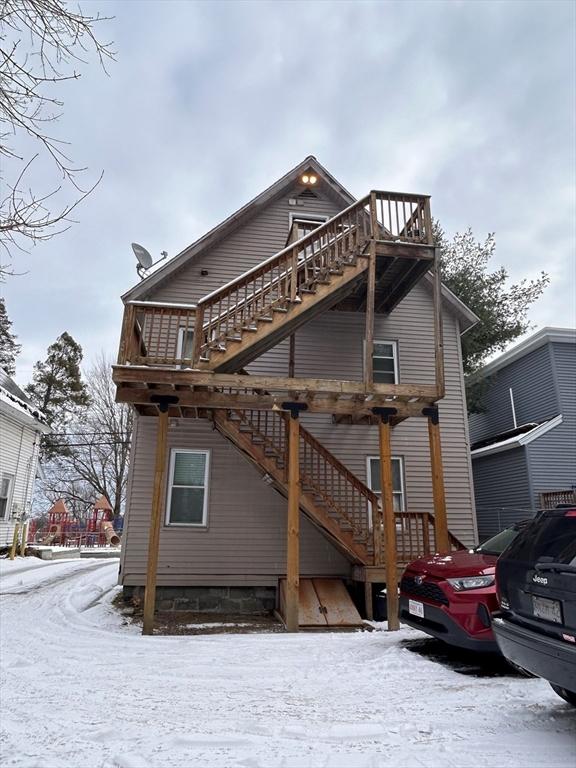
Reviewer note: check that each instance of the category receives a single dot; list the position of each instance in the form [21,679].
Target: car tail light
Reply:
[570,513]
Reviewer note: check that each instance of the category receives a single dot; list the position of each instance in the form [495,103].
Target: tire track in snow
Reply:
[27,589]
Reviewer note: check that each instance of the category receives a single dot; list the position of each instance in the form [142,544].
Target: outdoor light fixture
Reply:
[308,178]
[313,179]
[305,179]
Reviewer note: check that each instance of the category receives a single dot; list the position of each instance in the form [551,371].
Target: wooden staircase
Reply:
[263,306]
[331,496]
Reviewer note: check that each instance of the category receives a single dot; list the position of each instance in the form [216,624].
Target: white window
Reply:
[188,488]
[385,362]
[6,485]
[185,342]
[397,480]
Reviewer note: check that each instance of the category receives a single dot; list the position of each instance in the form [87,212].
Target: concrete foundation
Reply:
[237,600]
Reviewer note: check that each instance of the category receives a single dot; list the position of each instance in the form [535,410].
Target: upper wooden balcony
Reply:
[366,258]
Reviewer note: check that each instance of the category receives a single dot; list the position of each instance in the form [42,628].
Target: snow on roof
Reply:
[12,396]
[518,440]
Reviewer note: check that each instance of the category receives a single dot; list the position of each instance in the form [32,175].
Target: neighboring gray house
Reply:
[524,443]
[21,427]
[236,537]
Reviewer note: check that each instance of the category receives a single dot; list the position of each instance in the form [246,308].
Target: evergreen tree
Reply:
[502,308]
[57,387]
[9,349]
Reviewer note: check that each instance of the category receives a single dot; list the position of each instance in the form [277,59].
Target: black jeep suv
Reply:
[536,583]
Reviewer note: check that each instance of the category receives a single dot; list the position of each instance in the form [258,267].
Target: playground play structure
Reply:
[62,529]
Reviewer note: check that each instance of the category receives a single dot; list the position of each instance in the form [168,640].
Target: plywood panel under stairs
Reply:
[323,603]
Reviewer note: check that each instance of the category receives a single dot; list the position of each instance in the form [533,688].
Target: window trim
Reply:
[399,458]
[182,330]
[10,495]
[394,344]
[306,217]
[170,485]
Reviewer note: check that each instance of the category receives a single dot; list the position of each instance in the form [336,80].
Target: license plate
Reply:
[549,610]
[416,608]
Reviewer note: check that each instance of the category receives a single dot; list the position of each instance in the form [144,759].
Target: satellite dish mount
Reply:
[145,260]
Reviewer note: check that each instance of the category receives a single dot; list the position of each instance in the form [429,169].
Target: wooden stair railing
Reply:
[330,494]
[337,500]
[288,278]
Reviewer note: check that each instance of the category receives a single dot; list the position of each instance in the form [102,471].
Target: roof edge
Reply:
[519,440]
[232,221]
[545,335]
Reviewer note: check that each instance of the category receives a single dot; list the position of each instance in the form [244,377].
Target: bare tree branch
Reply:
[42,42]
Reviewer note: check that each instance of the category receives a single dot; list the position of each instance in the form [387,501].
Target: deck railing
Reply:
[156,333]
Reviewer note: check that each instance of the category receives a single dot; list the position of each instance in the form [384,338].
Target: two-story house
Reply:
[524,440]
[300,402]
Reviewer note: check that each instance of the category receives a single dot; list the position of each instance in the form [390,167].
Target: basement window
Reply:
[385,362]
[188,488]
[398,492]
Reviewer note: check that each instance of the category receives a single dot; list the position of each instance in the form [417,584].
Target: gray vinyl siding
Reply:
[245,541]
[254,241]
[502,490]
[532,381]
[18,457]
[552,458]
[331,346]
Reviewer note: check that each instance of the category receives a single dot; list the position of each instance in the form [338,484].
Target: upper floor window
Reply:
[398,493]
[188,488]
[385,362]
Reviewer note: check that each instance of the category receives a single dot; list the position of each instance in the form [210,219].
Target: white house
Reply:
[21,427]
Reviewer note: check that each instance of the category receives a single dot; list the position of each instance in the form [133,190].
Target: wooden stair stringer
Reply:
[239,353]
[266,465]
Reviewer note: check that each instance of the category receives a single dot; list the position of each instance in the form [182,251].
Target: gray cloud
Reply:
[208,103]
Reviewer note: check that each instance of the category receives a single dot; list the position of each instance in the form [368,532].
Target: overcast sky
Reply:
[210,102]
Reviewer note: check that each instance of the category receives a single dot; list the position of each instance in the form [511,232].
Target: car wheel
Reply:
[565,694]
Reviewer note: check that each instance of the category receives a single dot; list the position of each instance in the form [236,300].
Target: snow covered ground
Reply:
[80,689]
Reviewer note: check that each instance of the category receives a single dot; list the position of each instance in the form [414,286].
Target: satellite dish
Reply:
[144,259]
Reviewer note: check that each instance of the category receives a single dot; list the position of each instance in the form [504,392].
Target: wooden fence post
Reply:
[24,538]
[438,491]
[14,540]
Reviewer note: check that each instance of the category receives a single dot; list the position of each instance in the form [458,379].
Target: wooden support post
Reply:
[438,492]
[370,291]
[24,538]
[293,545]
[438,328]
[390,551]
[14,541]
[156,516]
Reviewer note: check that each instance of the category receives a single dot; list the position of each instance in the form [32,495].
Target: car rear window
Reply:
[552,538]
[497,544]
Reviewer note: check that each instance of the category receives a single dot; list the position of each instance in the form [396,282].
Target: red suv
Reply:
[452,596]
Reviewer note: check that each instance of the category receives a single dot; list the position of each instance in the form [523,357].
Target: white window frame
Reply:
[394,354]
[182,330]
[306,217]
[204,522]
[402,491]
[8,511]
